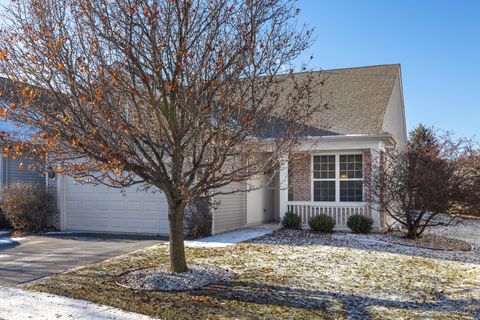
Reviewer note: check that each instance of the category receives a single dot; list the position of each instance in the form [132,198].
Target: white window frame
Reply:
[340,179]
[337,177]
[323,179]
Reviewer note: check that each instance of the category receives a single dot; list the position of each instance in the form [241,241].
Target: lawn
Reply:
[296,275]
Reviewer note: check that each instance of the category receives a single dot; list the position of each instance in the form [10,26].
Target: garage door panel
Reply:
[103,209]
[151,207]
[134,224]
[96,222]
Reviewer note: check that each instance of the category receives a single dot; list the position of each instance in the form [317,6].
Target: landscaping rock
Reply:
[161,279]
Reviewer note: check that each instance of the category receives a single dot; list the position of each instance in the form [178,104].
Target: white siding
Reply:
[260,200]
[231,209]
[394,119]
[86,207]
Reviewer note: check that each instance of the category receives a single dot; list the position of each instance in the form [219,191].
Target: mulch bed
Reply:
[432,242]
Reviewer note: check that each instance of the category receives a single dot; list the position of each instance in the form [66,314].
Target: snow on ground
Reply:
[20,304]
[467,230]
[375,275]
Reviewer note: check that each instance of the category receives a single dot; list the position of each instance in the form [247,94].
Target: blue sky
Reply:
[437,42]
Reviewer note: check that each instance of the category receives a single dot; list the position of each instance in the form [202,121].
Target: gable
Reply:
[394,121]
[357,99]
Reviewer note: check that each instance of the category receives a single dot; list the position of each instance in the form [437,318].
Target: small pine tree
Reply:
[422,138]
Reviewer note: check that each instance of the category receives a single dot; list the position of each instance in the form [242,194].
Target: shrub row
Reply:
[324,223]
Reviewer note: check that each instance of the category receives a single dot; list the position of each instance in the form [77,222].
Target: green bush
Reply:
[360,224]
[322,223]
[26,206]
[291,221]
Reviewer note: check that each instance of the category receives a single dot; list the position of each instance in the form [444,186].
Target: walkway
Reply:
[234,237]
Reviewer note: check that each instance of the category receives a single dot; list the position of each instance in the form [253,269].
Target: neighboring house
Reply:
[10,172]
[367,116]
[16,170]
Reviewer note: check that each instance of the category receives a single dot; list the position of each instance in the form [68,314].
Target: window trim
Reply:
[323,179]
[337,177]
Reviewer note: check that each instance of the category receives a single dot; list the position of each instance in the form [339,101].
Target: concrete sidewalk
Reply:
[20,304]
[234,237]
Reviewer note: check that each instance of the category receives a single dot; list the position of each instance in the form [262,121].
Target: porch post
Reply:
[283,186]
[374,169]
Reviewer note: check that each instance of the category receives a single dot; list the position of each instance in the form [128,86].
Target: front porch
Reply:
[340,212]
[330,177]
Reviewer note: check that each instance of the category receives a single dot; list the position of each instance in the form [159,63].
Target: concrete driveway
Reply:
[40,256]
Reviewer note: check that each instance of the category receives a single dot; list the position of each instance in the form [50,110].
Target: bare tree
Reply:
[187,96]
[470,202]
[430,177]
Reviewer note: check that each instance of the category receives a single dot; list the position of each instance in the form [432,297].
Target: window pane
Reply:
[351,166]
[324,190]
[324,167]
[351,191]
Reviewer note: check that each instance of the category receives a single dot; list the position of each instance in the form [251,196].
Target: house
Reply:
[367,116]
[16,170]
[327,175]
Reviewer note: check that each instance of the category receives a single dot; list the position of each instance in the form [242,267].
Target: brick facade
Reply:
[299,178]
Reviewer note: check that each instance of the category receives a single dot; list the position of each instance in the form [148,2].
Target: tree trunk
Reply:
[412,233]
[177,248]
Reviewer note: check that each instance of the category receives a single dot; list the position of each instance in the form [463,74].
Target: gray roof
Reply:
[358,99]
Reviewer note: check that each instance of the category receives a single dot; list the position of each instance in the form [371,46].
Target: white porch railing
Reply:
[338,211]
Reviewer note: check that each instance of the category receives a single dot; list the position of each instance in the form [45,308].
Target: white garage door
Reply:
[88,207]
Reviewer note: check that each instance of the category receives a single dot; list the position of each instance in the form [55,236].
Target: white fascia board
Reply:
[341,142]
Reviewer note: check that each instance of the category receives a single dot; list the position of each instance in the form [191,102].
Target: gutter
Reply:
[384,136]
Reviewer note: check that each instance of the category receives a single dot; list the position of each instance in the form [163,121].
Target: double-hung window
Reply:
[338,178]
[351,178]
[324,173]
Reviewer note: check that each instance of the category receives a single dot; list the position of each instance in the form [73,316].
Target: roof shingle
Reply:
[358,98]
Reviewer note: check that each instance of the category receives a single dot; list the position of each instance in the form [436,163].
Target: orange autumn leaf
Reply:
[20,166]
[3,55]
[246,119]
